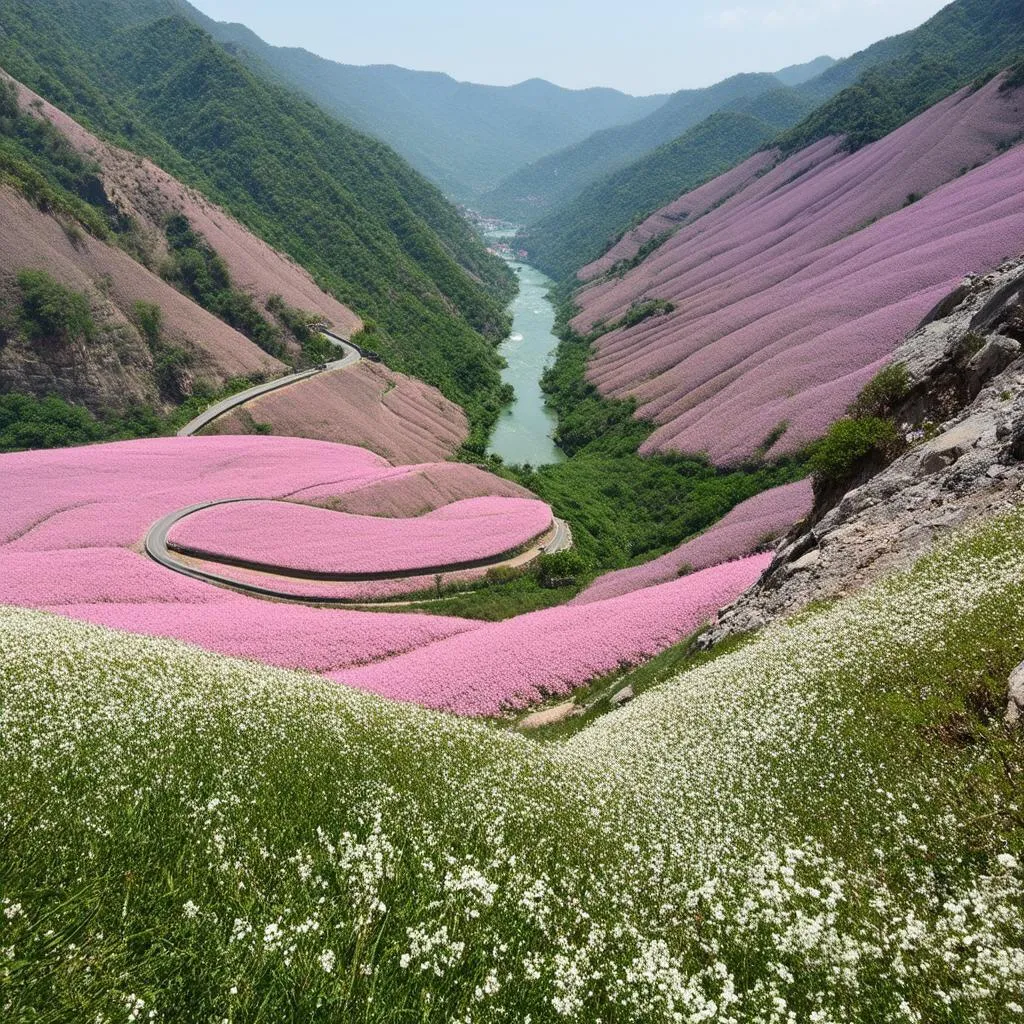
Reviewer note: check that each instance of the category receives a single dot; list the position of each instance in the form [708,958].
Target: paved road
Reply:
[157,549]
[351,356]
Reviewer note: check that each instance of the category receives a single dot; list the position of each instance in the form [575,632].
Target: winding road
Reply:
[351,356]
[558,538]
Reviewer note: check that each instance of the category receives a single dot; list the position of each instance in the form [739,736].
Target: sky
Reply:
[639,46]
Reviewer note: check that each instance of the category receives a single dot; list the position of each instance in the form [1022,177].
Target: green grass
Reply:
[829,815]
[494,601]
[595,699]
[625,508]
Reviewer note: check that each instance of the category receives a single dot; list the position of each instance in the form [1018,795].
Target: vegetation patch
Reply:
[624,508]
[198,271]
[51,312]
[849,443]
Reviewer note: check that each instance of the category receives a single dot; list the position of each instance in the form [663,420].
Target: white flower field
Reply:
[825,825]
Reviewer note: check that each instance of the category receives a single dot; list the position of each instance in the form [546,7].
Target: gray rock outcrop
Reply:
[1015,697]
[963,417]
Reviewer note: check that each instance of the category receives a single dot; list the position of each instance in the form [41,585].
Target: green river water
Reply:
[523,434]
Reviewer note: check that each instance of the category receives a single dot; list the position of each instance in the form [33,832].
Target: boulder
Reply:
[624,696]
[808,561]
[993,357]
[549,716]
[949,446]
[1015,695]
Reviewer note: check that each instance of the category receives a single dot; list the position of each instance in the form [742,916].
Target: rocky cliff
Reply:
[962,419]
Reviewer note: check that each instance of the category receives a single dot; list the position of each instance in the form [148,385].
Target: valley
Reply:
[619,623]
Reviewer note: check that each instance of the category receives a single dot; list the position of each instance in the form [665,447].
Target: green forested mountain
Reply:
[466,138]
[797,74]
[527,195]
[964,41]
[370,228]
[892,82]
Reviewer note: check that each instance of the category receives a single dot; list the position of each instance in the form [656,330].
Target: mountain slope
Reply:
[967,39]
[585,227]
[893,81]
[464,137]
[528,194]
[797,74]
[371,230]
[780,304]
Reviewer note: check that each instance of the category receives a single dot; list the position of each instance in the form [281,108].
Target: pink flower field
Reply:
[72,523]
[792,294]
[749,524]
[368,405]
[304,538]
[510,665]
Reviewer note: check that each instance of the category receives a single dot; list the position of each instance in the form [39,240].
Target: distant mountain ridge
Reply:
[534,191]
[464,137]
[797,74]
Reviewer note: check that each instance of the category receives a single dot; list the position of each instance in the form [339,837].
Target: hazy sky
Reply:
[640,46]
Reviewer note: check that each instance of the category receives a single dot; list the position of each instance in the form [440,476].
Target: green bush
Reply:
[28,422]
[848,443]
[883,393]
[49,311]
[644,310]
[563,568]
[197,270]
[149,320]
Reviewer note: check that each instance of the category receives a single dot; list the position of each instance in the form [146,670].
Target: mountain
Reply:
[583,228]
[370,230]
[464,137]
[526,195]
[128,302]
[786,287]
[893,81]
[797,74]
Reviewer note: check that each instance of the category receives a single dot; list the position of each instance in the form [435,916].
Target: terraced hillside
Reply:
[863,98]
[757,323]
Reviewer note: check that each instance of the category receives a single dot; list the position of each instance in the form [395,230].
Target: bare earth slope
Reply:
[116,373]
[367,405]
[142,190]
[790,295]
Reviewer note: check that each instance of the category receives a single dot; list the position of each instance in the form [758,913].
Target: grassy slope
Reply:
[372,231]
[829,816]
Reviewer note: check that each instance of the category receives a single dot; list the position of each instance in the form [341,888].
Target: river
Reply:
[523,433]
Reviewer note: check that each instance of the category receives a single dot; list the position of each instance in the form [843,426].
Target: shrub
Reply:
[641,311]
[149,319]
[299,322]
[848,443]
[883,393]
[51,311]
[29,422]
[563,568]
